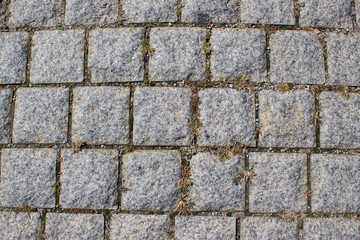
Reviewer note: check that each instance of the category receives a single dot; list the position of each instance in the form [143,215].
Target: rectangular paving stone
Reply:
[19,225]
[177,54]
[340,120]
[115,55]
[41,115]
[13,57]
[344,59]
[162,116]
[89,179]
[5,118]
[335,179]
[152,178]
[101,115]
[57,56]
[215,186]
[286,119]
[280,182]
[131,226]
[205,227]
[238,52]
[74,226]
[296,57]
[28,178]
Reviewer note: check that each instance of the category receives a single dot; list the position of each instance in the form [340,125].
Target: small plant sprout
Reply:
[246,174]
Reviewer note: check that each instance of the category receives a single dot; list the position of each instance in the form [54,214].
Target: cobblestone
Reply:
[5,119]
[19,225]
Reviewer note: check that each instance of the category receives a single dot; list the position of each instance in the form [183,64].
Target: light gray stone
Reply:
[13,57]
[101,115]
[41,115]
[286,119]
[138,11]
[131,226]
[205,227]
[152,178]
[28,178]
[5,116]
[177,54]
[215,186]
[57,56]
[344,59]
[115,55]
[326,13]
[89,179]
[74,226]
[335,179]
[15,226]
[238,52]
[161,116]
[280,182]
[340,120]
[296,57]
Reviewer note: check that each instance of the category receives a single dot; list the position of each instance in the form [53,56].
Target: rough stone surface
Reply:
[57,56]
[101,115]
[16,226]
[340,120]
[13,57]
[89,179]
[267,12]
[326,13]
[5,116]
[161,116]
[152,178]
[205,227]
[139,11]
[130,226]
[74,226]
[215,186]
[238,52]
[336,183]
[286,119]
[267,228]
[296,57]
[27,178]
[41,115]
[280,182]
[344,59]
[177,54]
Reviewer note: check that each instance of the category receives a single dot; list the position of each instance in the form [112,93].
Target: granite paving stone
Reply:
[5,119]
[16,226]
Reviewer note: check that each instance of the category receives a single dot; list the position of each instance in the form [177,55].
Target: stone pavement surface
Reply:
[179,119]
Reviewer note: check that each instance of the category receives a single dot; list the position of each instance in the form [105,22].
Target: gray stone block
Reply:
[268,12]
[177,54]
[161,116]
[252,228]
[57,56]
[286,119]
[41,115]
[90,12]
[115,55]
[131,226]
[326,13]
[280,182]
[101,115]
[296,57]
[203,11]
[89,179]
[205,227]
[238,52]
[215,186]
[74,226]
[344,59]
[340,120]
[152,178]
[28,178]
[16,226]
[5,118]
[35,13]
[335,179]
[138,11]
[13,57]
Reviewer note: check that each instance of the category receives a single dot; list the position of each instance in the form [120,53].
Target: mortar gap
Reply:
[354,15]
[42,225]
[131,115]
[146,52]
[28,58]
[87,76]
[178,11]
[309,189]
[257,119]
[57,184]
[247,186]
[12,113]
[70,113]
